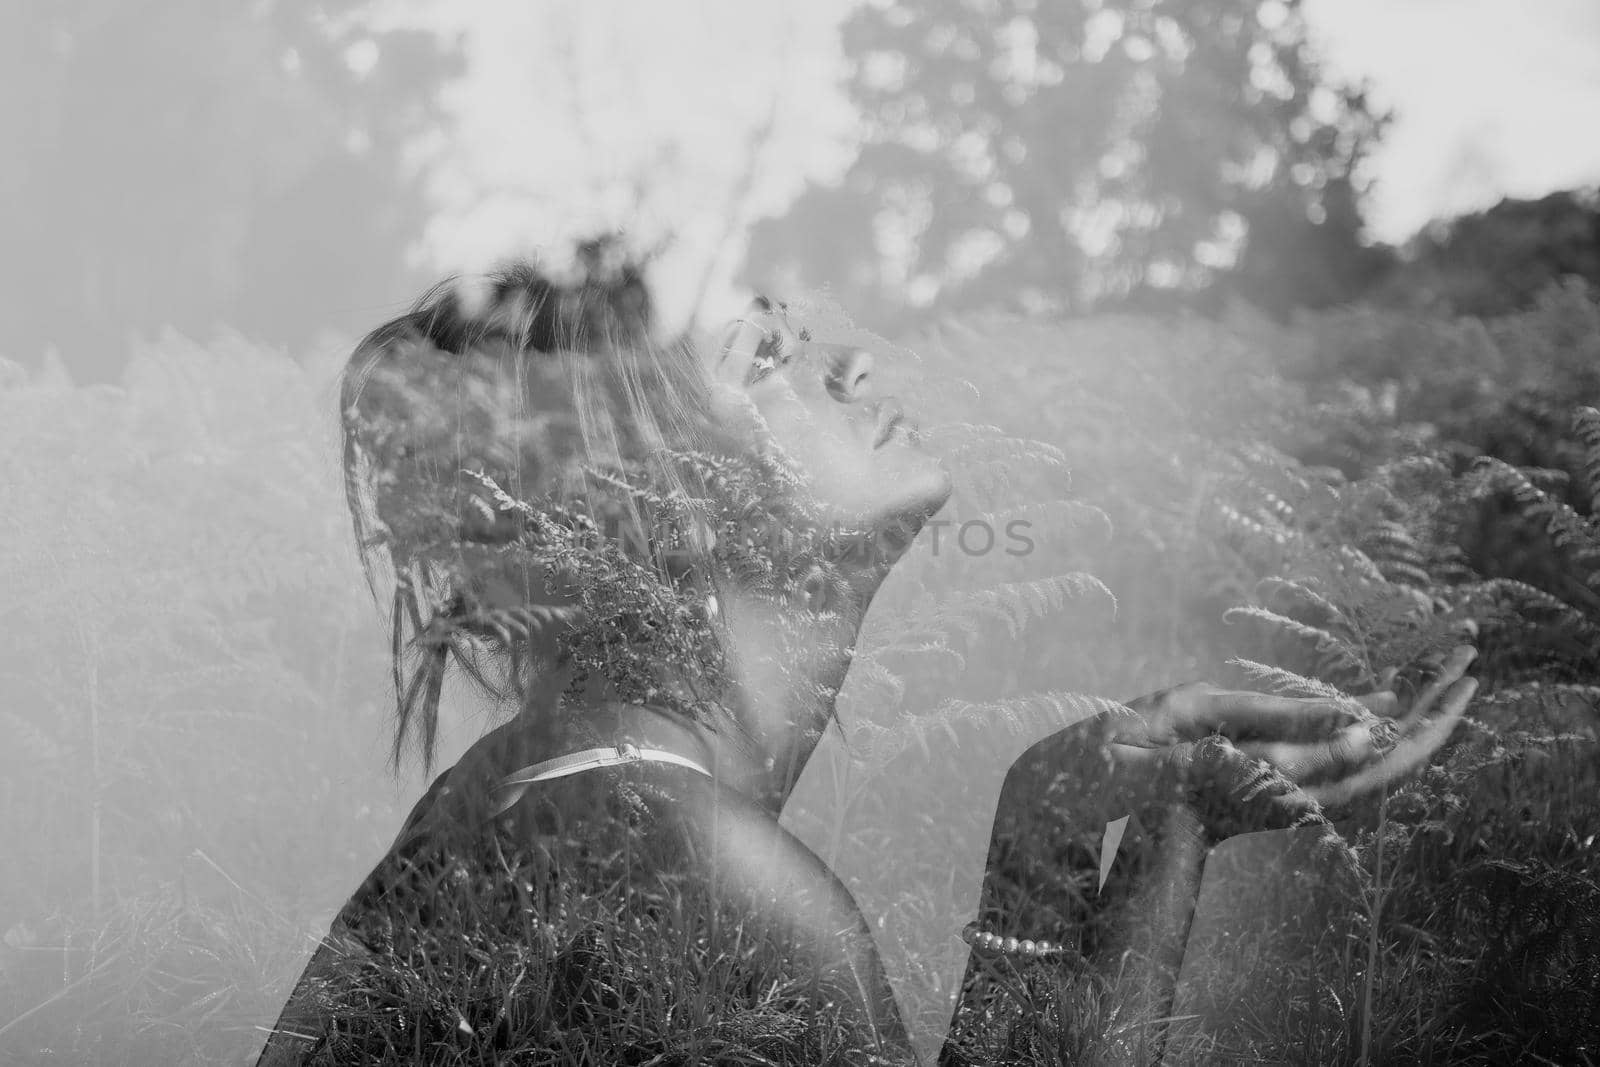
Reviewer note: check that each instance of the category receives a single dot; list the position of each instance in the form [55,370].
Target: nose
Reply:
[847,375]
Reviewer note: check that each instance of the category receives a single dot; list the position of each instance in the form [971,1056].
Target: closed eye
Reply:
[770,355]
[737,341]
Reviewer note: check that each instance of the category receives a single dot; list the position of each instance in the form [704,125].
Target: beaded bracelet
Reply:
[978,938]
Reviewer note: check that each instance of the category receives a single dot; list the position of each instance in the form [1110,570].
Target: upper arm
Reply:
[787,893]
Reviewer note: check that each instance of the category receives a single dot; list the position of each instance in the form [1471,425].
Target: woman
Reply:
[663,559]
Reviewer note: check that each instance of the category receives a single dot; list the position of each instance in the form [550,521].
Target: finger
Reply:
[1159,779]
[1136,755]
[1349,750]
[1233,793]
[1266,716]
[1412,752]
[1449,671]
[1383,702]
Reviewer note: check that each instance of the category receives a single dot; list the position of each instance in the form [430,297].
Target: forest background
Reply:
[1135,230]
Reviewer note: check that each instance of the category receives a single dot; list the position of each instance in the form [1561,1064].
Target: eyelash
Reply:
[765,365]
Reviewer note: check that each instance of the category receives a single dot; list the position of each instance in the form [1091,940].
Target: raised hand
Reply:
[1254,761]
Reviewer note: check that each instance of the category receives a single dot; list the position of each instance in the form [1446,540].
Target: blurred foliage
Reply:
[1388,382]
[1498,261]
[188,164]
[1057,155]
[193,646]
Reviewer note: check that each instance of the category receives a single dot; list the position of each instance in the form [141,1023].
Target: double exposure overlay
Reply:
[947,533]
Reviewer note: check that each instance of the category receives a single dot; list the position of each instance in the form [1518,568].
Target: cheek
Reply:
[737,418]
[832,454]
[919,478]
[803,433]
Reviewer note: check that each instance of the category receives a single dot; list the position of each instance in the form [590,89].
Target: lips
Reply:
[890,416]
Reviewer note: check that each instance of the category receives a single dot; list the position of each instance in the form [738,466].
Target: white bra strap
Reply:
[513,785]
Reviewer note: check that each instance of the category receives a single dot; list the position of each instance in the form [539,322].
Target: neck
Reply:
[785,668]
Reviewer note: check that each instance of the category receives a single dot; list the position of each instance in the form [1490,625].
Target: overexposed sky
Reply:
[578,115]
[1494,98]
[685,118]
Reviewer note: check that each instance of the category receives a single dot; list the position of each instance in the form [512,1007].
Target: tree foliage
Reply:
[1499,261]
[185,165]
[1054,155]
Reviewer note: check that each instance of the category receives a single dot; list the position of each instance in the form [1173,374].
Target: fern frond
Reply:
[1332,653]
[1359,565]
[1547,695]
[1566,529]
[927,656]
[1015,604]
[1586,425]
[1308,605]
[1288,683]
[975,442]
[882,686]
[1395,552]
[1529,602]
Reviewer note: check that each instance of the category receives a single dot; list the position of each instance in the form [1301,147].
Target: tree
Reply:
[1056,155]
[1498,261]
[187,164]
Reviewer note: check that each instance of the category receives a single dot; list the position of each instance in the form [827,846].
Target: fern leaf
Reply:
[1015,604]
[1288,683]
[1586,425]
[974,442]
[881,685]
[1332,653]
[1049,710]
[1528,602]
[1565,527]
[1308,605]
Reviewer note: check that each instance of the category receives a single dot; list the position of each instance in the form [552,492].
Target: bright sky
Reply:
[1494,98]
[582,114]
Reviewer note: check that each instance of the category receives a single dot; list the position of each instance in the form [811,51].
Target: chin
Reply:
[931,491]
[920,488]
[903,508]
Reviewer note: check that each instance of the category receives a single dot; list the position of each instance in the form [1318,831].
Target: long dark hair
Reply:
[534,384]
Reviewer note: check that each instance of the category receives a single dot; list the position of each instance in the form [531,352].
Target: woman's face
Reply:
[819,406]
